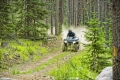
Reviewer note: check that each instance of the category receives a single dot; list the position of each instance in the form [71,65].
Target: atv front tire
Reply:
[64,48]
[76,47]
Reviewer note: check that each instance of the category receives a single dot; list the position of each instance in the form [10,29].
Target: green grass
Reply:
[51,61]
[22,52]
[15,71]
[75,68]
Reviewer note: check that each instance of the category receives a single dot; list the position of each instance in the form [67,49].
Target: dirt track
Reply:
[43,74]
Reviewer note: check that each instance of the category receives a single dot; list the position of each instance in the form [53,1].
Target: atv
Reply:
[71,43]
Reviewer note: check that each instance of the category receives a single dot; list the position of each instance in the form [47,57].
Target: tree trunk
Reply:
[52,13]
[79,13]
[106,20]
[83,16]
[28,21]
[75,22]
[73,11]
[69,14]
[98,9]
[60,16]
[57,18]
[116,38]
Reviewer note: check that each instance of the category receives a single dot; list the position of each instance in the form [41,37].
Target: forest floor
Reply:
[43,74]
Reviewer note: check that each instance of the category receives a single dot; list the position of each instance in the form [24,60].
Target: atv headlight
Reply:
[74,42]
[65,41]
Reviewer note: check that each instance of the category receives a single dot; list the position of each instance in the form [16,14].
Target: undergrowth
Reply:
[77,67]
[45,64]
[21,52]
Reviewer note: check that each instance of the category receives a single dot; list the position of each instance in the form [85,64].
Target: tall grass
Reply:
[24,51]
[77,67]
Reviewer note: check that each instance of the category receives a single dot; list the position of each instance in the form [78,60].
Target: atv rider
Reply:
[70,33]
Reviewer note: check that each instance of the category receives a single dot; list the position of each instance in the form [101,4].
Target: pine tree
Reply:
[6,27]
[31,15]
[95,36]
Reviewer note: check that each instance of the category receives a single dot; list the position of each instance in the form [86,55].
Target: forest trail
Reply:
[43,74]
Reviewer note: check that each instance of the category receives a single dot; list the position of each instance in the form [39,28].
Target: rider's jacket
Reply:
[71,34]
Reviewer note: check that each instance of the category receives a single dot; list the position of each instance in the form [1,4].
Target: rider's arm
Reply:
[74,34]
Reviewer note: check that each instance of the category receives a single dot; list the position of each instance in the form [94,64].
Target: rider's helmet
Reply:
[70,31]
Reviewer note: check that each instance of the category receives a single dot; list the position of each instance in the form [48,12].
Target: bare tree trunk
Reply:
[106,19]
[83,16]
[116,38]
[89,11]
[52,10]
[69,16]
[60,16]
[79,13]
[57,18]
[73,11]
[98,9]
[75,22]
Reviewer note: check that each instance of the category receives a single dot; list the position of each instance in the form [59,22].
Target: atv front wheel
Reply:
[76,47]
[64,48]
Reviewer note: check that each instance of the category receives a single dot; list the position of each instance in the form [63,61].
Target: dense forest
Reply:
[31,36]
[21,16]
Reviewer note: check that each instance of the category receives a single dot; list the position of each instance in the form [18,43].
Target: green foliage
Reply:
[22,51]
[30,23]
[43,50]
[108,33]
[6,27]
[43,65]
[16,20]
[15,71]
[16,53]
[31,50]
[95,35]
[1,56]
[60,29]
[75,68]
